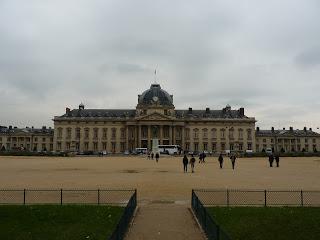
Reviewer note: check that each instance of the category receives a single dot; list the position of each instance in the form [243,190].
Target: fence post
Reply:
[265,198]
[301,195]
[24,196]
[61,196]
[228,198]
[98,196]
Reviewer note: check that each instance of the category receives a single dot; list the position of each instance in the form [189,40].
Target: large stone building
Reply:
[155,116]
[29,139]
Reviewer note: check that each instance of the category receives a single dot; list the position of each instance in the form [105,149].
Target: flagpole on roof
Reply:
[155,76]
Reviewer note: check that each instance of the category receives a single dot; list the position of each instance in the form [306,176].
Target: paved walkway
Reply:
[164,221]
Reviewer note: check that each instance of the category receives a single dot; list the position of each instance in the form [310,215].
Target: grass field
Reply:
[259,223]
[53,222]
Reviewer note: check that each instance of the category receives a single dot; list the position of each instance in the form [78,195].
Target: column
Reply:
[149,137]
[182,139]
[127,137]
[161,134]
[170,135]
[173,135]
[139,136]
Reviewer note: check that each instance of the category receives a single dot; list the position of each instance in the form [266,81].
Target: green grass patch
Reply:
[54,222]
[265,223]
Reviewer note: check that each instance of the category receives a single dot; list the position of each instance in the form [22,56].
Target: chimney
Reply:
[291,129]
[207,110]
[305,129]
[310,129]
[258,129]
[15,127]
[67,110]
[44,127]
[81,106]
[241,112]
[284,128]
[272,129]
[10,127]
[190,110]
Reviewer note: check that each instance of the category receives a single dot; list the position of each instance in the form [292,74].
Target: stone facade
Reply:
[287,140]
[118,130]
[29,139]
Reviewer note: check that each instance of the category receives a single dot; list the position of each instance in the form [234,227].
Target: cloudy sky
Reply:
[260,55]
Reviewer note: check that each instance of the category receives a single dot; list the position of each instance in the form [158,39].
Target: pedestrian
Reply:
[192,162]
[277,158]
[233,160]
[149,154]
[157,157]
[200,158]
[152,155]
[220,159]
[185,163]
[271,160]
[203,157]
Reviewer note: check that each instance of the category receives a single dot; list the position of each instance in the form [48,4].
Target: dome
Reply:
[155,95]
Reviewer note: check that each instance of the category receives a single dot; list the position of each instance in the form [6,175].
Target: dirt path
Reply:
[164,221]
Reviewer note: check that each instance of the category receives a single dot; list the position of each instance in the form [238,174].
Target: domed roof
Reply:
[155,95]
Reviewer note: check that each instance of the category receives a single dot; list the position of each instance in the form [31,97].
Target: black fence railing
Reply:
[212,230]
[232,197]
[126,218]
[66,196]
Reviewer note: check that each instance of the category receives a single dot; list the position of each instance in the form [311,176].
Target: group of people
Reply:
[151,155]
[274,158]
[233,158]
[202,157]
[185,162]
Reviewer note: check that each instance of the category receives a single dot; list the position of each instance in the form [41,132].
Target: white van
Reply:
[269,151]
[141,150]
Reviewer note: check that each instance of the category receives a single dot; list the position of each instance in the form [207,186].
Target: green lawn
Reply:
[48,222]
[267,223]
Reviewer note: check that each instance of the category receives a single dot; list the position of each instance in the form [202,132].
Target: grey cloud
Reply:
[309,58]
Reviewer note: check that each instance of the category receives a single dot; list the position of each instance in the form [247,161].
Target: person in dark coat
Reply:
[185,163]
[203,157]
[157,157]
[192,162]
[271,160]
[152,155]
[200,158]
[277,158]
[220,159]
[233,160]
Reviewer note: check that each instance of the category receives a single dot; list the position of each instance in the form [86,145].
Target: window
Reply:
[43,139]
[36,139]
[187,146]
[213,133]
[165,112]
[95,146]
[105,133]
[240,146]
[86,133]
[205,133]
[264,140]
[240,131]
[104,146]
[77,146]
[223,146]
[86,146]
[59,146]
[196,146]
[122,146]
[123,133]
[77,133]
[166,132]
[249,146]
[187,132]
[231,146]
[222,133]
[205,146]
[214,146]
[44,147]
[249,134]
[68,133]
[196,133]
[231,133]
[113,147]
[95,133]
[67,145]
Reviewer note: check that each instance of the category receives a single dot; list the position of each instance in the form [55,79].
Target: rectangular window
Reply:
[95,146]
[187,132]
[44,147]
[122,146]
[196,146]
[105,133]
[113,147]
[214,147]
[68,133]
[249,146]
[59,146]
[68,146]
[104,146]
[205,146]
[123,133]
[240,146]
[86,133]
[187,146]
[86,146]
[223,146]
[114,133]
[77,133]
[222,133]
[95,133]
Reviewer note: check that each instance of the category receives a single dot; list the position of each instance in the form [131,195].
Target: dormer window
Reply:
[165,112]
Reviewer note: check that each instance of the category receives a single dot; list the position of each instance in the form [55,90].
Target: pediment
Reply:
[155,117]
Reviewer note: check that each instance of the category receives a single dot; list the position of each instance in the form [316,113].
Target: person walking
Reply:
[157,157]
[233,160]
[200,157]
[185,163]
[271,160]
[152,155]
[220,159]
[192,162]
[203,157]
[277,158]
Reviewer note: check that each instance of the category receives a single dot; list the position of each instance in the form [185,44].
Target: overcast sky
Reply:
[260,55]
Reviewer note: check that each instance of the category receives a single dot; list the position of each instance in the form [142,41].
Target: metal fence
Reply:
[210,227]
[125,220]
[231,197]
[66,196]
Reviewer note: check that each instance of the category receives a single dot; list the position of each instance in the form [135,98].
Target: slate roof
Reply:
[287,133]
[6,130]
[131,113]
[231,114]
